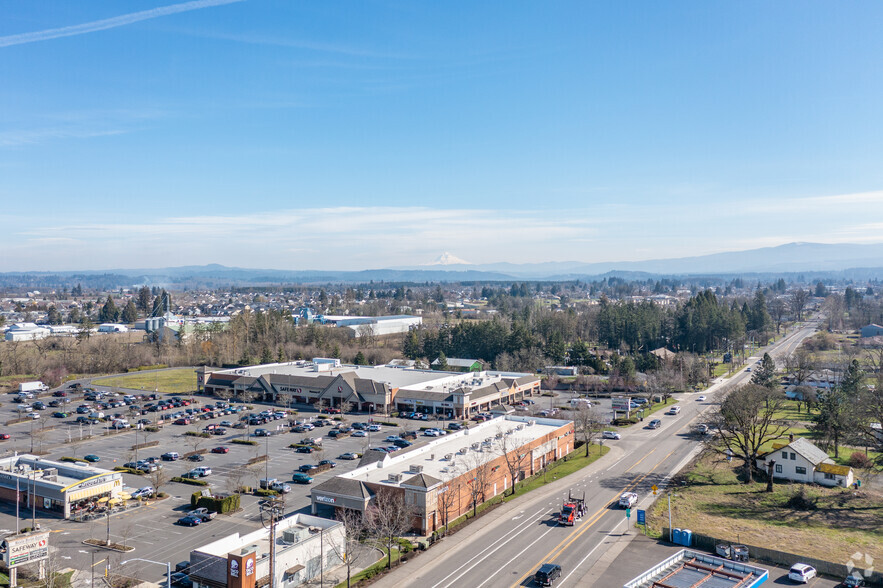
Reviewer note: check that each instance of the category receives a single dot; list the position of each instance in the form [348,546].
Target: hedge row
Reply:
[128,470]
[190,481]
[195,434]
[244,442]
[257,459]
[262,492]
[215,503]
[145,445]
[72,459]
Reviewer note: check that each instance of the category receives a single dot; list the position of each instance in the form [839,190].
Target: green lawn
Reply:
[169,381]
[709,499]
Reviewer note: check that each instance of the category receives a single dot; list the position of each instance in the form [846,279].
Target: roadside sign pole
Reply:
[628,516]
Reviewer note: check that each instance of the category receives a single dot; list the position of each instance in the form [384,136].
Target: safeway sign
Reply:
[27,549]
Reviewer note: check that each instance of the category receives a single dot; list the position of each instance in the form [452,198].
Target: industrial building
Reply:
[374,326]
[26,332]
[437,479]
[302,547]
[66,489]
[371,388]
[692,569]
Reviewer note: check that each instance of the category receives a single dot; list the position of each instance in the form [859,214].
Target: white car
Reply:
[802,573]
[611,435]
[701,398]
[374,428]
[393,438]
[145,492]
[360,434]
[34,415]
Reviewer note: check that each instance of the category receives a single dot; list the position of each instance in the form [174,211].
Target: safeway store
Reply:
[66,489]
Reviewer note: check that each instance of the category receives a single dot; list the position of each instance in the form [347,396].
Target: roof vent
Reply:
[415,469]
[448,456]
[395,477]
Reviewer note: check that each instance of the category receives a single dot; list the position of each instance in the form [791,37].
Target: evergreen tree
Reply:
[109,313]
[360,359]
[765,374]
[130,313]
[144,299]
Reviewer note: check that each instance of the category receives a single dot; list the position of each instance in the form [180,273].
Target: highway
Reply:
[508,545]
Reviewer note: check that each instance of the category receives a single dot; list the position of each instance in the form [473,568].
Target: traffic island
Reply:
[111,546]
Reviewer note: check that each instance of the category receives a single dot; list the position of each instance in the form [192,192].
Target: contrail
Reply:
[109,23]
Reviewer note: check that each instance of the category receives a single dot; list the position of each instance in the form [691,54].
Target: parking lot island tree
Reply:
[388,517]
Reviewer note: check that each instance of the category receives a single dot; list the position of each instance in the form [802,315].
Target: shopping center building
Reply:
[65,489]
[438,479]
[382,389]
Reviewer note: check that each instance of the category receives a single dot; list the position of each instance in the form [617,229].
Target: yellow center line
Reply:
[634,465]
[568,541]
[98,562]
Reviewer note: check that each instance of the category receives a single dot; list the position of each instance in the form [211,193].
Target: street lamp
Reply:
[167,564]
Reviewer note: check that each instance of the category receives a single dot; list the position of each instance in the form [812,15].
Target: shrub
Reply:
[244,442]
[128,470]
[152,429]
[860,461]
[195,434]
[262,492]
[72,459]
[190,481]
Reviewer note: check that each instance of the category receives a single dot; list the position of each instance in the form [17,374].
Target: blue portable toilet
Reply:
[686,537]
[676,536]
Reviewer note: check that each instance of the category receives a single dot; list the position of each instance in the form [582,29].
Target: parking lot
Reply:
[151,529]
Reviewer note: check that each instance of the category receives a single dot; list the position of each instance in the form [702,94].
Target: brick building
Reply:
[441,479]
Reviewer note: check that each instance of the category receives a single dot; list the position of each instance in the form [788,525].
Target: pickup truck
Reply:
[628,499]
[203,513]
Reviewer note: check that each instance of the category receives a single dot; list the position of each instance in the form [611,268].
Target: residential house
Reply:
[801,461]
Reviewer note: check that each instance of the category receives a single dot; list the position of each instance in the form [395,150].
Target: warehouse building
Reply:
[66,489]
[303,545]
[371,388]
[438,480]
[373,326]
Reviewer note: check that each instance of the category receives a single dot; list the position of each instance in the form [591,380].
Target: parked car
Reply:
[331,410]
[547,574]
[180,579]
[455,426]
[305,449]
[348,456]
[328,462]
[374,428]
[171,456]
[392,438]
[221,449]
[203,471]
[189,521]
[301,478]
[853,581]
[92,458]
[60,415]
[307,467]
[145,492]
[203,513]
[4,436]
[802,573]
[196,457]
[611,435]
[432,433]
[358,434]
[402,443]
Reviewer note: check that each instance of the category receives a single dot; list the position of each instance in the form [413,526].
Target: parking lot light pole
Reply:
[159,563]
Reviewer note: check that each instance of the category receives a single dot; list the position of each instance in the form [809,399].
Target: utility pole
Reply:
[275,508]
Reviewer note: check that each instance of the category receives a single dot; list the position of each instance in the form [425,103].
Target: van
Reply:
[547,574]
[578,402]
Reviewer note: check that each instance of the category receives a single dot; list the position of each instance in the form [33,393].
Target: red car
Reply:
[331,410]
[221,450]
[4,436]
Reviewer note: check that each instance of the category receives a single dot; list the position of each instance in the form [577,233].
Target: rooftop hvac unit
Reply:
[463,450]
[474,446]
[499,435]
[488,439]
[295,535]
[520,427]
[415,469]
[531,423]
[448,456]
[395,477]
[431,456]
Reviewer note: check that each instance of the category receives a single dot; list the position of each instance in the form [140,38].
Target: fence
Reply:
[783,558]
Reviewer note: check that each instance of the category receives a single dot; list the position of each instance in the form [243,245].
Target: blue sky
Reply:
[293,134]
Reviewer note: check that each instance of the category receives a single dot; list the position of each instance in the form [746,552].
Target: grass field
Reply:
[169,381]
[713,502]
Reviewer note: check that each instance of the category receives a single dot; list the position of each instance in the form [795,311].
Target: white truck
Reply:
[32,387]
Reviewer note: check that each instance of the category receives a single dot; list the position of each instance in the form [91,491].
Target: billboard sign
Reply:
[622,403]
[25,549]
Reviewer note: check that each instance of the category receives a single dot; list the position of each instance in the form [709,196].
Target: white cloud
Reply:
[109,23]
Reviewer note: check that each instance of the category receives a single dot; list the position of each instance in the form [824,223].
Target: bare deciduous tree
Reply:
[352,548]
[587,424]
[745,422]
[799,298]
[513,455]
[158,478]
[477,468]
[388,517]
[447,494]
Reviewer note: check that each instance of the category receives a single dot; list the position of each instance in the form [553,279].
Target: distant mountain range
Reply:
[815,260]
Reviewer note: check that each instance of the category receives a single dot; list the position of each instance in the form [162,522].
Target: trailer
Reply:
[572,509]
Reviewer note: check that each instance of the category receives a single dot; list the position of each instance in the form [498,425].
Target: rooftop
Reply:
[58,473]
[692,569]
[299,525]
[432,459]
[395,377]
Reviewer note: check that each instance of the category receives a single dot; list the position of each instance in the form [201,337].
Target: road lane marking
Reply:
[525,525]
[568,541]
[583,560]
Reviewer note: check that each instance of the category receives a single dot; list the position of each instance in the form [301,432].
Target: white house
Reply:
[801,461]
